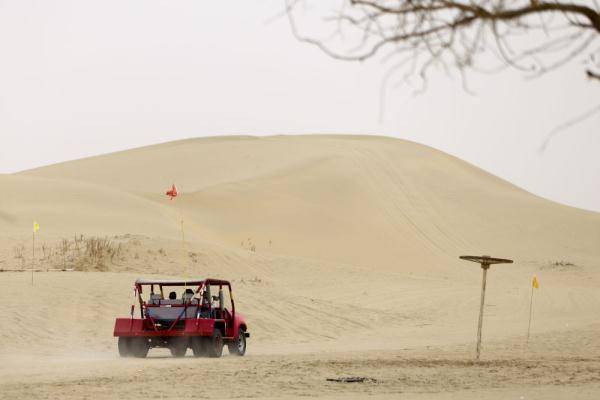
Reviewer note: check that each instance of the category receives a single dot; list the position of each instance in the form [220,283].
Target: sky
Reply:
[80,78]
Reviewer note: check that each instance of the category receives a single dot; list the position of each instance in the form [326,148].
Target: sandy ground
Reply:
[58,343]
[392,375]
[343,254]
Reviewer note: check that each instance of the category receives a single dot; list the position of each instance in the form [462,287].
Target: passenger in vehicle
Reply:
[187,295]
[205,299]
[172,296]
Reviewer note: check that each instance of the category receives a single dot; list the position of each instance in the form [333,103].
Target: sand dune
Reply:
[361,200]
[343,253]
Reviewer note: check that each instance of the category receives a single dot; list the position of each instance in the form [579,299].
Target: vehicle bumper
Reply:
[132,327]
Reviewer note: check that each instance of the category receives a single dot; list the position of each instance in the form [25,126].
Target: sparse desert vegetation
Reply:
[79,253]
[560,266]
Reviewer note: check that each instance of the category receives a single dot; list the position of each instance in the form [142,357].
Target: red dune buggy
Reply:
[197,314]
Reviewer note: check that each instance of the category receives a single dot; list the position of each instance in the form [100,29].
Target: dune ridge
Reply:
[366,200]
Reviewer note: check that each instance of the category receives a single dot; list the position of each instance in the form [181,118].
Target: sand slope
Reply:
[369,201]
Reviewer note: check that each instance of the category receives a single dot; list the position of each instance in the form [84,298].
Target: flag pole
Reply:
[185,269]
[530,313]
[32,255]
[172,193]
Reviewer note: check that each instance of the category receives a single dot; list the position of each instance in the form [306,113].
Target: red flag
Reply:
[172,193]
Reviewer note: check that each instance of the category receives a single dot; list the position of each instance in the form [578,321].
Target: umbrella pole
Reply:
[480,324]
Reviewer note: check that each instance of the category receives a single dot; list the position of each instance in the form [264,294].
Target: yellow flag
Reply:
[36,227]
[535,282]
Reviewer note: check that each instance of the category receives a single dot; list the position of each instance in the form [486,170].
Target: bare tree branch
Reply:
[568,124]
[592,75]
[456,34]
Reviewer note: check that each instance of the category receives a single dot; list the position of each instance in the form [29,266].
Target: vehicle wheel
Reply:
[215,344]
[199,346]
[139,347]
[178,346]
[238,346]
[124,345]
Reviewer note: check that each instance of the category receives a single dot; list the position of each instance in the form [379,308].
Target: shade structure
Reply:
[485,262]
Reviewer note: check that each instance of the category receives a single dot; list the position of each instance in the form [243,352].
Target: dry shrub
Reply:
[80,253]
[19,252]
[560,266]
[98,252]
[85,253]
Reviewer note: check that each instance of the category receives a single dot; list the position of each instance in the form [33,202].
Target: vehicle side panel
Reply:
[238,320]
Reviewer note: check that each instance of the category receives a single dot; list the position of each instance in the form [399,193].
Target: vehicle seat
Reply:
[171,302]
[166,313]
[192,311]
[155,298]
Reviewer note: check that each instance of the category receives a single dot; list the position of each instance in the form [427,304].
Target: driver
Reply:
[205,305]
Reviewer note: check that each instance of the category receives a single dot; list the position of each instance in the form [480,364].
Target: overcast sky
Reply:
[79,78]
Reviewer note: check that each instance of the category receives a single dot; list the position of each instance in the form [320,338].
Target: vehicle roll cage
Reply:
[186,303]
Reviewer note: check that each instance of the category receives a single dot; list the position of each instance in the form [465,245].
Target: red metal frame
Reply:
[146,326]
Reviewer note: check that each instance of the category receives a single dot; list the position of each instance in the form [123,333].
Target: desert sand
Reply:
[343,254]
